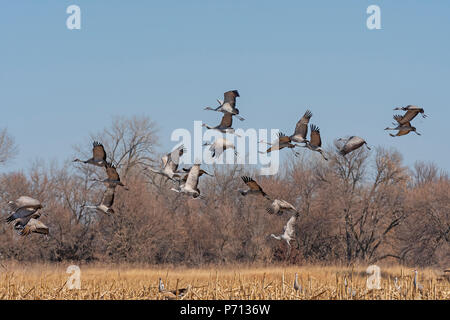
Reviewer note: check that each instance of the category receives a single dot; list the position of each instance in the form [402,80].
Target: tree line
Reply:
[366,207]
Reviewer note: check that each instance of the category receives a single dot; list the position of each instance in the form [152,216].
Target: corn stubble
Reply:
[246,283]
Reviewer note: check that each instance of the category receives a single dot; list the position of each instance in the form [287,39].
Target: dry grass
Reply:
[128,282]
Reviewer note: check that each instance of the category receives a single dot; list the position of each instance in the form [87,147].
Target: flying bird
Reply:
[283,141]
[190,187]
[24,202]
[315,142]
[288,230]
[170,163]
[98,155]
[23,207]
[279,206]
[173,159]
[254,188]
[301,128]
[228,104]
[225,124]
[29,225]
[351,144]
[403,128]
[411,112]
[21,213]
[219,146]
[107,202]
[201,172]
[113,177]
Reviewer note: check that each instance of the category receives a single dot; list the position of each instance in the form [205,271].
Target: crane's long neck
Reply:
[154,170]
[323,155]
[89,207]
[275,237]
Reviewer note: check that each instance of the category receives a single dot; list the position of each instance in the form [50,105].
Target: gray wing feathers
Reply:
[24,201]
[289,228]
[192,179]
[35,226]
[108,197]
[21,213]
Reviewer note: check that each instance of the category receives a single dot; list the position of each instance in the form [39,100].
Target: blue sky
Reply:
[169,59]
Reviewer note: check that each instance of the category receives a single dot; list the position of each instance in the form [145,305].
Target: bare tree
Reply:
[424,173]
[8,148]
[371,200]
[130,142]
[424,238]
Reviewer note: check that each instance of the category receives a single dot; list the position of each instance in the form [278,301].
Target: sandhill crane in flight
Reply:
[201,172]
[24,202]
[288,230]
[225,124]
[228,104]
[279,206]
[276,206]
[23,207]
[315,142]
[411,112]
[170,163]
[254,188]
[403,127]
[301,128]
[219,146]
[351,144]
[172,294]
[21,214]
[408,116]
[98,155]
[29,225]
[113,177]
[107,202]
[283,141]
[190,187]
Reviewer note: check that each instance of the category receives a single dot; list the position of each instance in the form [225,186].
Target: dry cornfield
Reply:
[246,283]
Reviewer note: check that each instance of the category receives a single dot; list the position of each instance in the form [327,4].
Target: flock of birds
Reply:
[25,215]
[25,210]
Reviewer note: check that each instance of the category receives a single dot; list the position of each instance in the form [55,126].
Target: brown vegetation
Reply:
[233,282]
